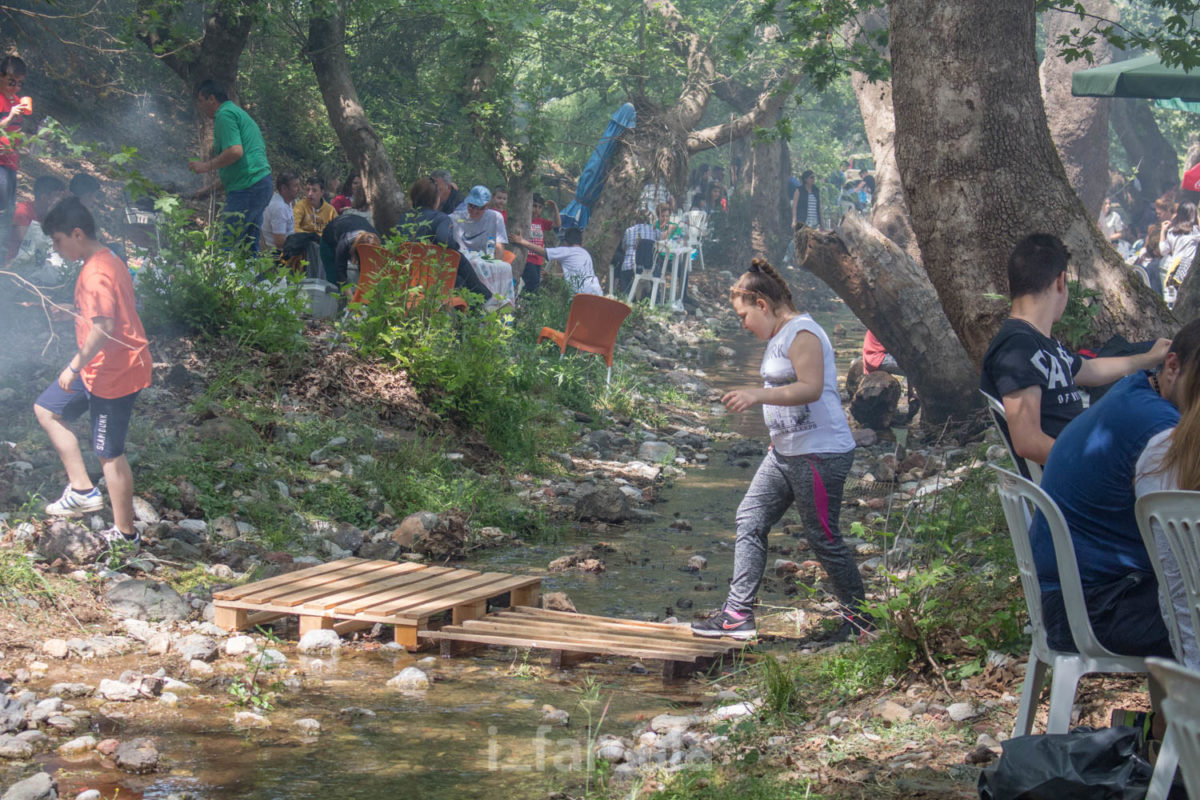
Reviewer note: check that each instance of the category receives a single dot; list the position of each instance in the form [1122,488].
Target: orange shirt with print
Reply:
[104,289]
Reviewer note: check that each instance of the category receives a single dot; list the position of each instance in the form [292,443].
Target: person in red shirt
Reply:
[13,108]
[532,275]
[47,190]
[104,377]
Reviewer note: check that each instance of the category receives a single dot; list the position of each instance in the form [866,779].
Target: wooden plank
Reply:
[349,626]
[542,626]
[414,584]
[262,618]
[614,627]
[561,660]
[525,595]
[405,575]
[441,598]
[502,583]
[637,623]
[547,644]
[317,585]
[230,619]
[311,623]
[599,642]
[238,592]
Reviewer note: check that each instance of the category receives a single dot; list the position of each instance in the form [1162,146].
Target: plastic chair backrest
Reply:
[593,323]
[1028,469]
[1017,494]
[1181,707]
[508,256]
[1175,516]
[643,255]
[427,266]
[697,221]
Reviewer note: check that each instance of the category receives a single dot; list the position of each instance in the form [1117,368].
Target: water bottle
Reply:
[490,250]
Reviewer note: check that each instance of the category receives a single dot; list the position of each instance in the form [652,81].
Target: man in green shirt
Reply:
[240,158]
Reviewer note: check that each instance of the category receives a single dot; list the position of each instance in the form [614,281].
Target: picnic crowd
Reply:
[1140,433]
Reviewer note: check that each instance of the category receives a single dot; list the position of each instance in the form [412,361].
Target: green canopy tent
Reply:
[1144,76]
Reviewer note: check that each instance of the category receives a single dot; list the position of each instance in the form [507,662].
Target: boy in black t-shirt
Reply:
[1030,372]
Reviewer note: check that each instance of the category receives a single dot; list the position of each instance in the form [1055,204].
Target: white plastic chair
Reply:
[1174,515]
[1181,743]
[1017,495]
[1028,469]
[655,281]
[697,231]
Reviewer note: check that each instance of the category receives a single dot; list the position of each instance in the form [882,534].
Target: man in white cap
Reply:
[475,223]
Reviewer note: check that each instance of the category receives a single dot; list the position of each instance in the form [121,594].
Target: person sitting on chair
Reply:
[1033,374]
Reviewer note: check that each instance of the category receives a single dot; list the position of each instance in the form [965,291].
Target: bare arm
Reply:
[1101,371]
[1023,411]
[97,338]
[809,365]
[520,241]
[226,157]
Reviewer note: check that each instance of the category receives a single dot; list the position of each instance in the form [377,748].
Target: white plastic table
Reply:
[679,256]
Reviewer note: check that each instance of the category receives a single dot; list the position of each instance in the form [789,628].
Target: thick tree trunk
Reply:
[980,170]
[1158,163]
[890,293]
[767,182]
[327,52]
[889,212]
[616,209]
[1078,125]
[215,55]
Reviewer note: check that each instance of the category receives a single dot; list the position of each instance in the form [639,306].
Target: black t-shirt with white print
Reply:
[1019,357]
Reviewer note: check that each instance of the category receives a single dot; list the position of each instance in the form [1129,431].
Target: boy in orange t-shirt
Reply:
[103,377]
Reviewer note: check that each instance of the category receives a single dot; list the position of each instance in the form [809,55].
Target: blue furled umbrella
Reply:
[591,181]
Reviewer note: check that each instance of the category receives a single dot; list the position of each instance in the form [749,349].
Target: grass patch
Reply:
[720,785]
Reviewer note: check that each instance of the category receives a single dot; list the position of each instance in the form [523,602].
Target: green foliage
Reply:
[781,692]
[19,579]
[247,691]
[696,784]
[1078,320]
[197,287]
[855,671]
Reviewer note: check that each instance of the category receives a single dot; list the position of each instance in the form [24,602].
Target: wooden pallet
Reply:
[571,637]
[354,593]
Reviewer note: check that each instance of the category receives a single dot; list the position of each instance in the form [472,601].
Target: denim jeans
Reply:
[8,199]
[244,213]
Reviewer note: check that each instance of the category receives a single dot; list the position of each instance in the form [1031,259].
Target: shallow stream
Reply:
[477,732]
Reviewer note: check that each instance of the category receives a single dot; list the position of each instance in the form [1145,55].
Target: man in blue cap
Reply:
[475,223]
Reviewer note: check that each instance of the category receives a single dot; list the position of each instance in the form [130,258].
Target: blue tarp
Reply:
[591,181]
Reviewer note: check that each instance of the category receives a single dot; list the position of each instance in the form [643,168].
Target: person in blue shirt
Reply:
[1090,475]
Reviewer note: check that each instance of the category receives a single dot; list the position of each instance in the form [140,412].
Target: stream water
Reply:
[476,733]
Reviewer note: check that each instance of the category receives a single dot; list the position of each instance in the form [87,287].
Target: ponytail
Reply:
[762,281]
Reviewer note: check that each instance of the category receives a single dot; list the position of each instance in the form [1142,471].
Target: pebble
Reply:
[555,716]
[891,711]
[319,641]
[238,645]
[169,699]
[697,563]
[960,712]
[667,722]
[89,794]
[743,709]
[248,719]
[79,746]
[308,726]
[55,648]
[117,691]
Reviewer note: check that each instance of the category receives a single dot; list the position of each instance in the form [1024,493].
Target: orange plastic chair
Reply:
[508,256]
[592,326]
[430,267]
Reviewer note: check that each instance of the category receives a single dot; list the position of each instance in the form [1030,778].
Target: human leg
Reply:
[824,537]
[55,409]
[119,478]
[259,199]
[532,276]
[110,426]
[765,502]
[1126,616]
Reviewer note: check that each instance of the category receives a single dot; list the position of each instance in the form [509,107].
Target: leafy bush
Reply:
[197,287]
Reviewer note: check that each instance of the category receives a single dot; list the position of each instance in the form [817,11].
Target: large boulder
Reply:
[145,599]
[605,503]
[874,404]
[70,541]
[37,787]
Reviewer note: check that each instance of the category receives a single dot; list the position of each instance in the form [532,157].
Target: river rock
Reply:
[224,528]
[874,404]
[414,528]
[319,641]
[248,719]
[138,756]
[238,645]
[555,716]
[960,712]
[197,527]
[733,711]
[308,726]
[665,723]
[272,658]
[891,711]
[37,787]
[45,709]
[696,563]
[71,690]
[15,749]
[611,749]
[78,747]
[656,452]
[72,542]
[558,601]
[56,648]
[196,647]
[605,503]
[145,599]
[89,794]
[117,691]
[144,512]
[409,679]
[865,437]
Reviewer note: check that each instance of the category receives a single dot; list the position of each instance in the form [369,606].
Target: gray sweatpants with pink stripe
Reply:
[780,482]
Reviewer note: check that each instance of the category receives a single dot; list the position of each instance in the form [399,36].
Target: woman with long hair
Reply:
[1171,460]
[1179,243]
[810,456]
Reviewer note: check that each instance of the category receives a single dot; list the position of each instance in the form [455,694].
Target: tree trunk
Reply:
[889,212]
[980,170]
[215,55]
[890,293]
[1158,163]
[767,181]
[1078,125]
[327,52]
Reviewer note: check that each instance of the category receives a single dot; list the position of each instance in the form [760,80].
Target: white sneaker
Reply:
[115,537]
[73,502]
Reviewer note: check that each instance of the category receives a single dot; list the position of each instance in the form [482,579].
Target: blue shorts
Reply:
[110,418]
